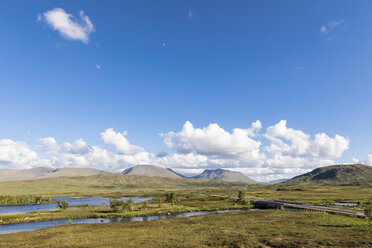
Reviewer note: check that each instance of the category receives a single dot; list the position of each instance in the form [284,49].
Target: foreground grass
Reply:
[240,229]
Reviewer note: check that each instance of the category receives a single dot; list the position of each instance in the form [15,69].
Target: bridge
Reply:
[299,206]
[283,205]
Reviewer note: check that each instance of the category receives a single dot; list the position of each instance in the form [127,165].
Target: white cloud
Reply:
[221,147]
[329,27]
[189,161]
[265,174]
[67,25]
[355,160]
[294,148]
[286,152]
[109,136]
[328,148]
[212,140]
[98,67]
[368,159]
[279,133]
[17,154]
[79,154]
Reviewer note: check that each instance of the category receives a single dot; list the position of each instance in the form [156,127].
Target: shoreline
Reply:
[29,217]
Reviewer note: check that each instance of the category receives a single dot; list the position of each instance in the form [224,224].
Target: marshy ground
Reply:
[271,228]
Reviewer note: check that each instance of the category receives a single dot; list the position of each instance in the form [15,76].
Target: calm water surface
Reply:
[31,226]
[72,201]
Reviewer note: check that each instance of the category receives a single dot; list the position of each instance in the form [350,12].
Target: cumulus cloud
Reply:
[79,154]
[275,153]
[288,151]
[18,155]
[294,148]
[109,136]
[368,159]
[212,140]
[67,25]
[212,146]
[328,148]
[279,133]
[48,144]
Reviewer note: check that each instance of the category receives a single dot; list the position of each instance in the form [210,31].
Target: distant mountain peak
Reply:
[224,175]
[151,170]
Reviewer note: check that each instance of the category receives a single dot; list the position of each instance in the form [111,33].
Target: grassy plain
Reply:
[240,229]
[191,203]
[109,184]
[116,185]
[313,194]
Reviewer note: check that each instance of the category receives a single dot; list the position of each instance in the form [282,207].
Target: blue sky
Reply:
[162,63]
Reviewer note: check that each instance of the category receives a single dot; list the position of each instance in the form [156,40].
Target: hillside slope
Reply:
[225,175]
[73,172]
[45,172]
[109,183]
[348,174]
[150,171]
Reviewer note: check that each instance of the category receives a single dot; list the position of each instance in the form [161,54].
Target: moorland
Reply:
[244,228]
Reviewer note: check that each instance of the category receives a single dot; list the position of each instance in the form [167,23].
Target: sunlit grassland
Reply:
[116,185]
[201,200]
[240,229]
[313,194]
[108,184]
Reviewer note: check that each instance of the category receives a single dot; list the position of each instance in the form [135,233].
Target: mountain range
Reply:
[344,174]
[225,175]
[352,174]
[218,174]
[141,170]
[151,171]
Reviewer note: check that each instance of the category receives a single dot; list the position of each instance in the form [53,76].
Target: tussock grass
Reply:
[313,194]
[240,229]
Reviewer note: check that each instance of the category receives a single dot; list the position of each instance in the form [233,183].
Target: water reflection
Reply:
[31,226]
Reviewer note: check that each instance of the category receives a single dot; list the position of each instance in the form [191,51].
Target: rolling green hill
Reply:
[346,174]
[108,183]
